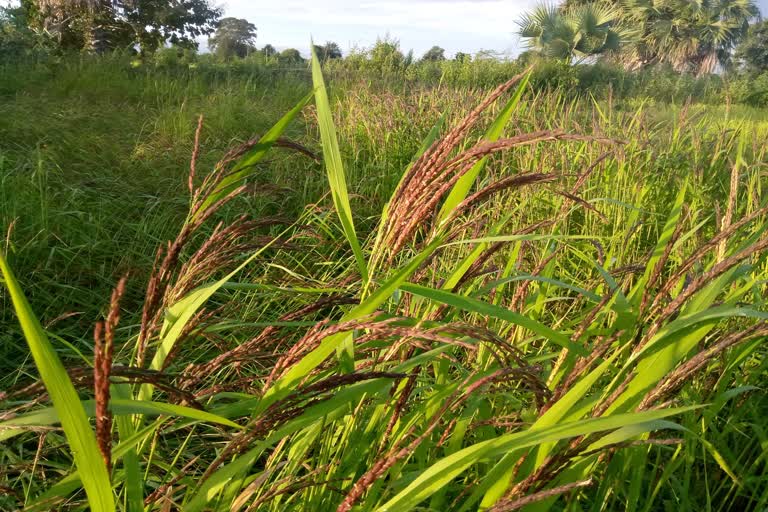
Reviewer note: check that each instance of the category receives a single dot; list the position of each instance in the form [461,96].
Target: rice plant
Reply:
[559,306]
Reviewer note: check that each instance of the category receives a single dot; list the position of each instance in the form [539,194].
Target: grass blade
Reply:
[80,436]
[334,166]
[484,308]
[448,468]
[244,168]
[312,360]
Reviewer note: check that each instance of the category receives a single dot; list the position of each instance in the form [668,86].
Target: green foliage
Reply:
[574,32]
[750,89]
[269,51]
[174,56]
[71,415]
[328,51]
[753,51]
[334,166]
[385,55]
[291,56]
[462,57]
[435,54]
[18,41]
[234,37]
[692,36]
[453,377]
[119,24]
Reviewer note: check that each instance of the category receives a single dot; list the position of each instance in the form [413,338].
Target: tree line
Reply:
[697,37]
[145,26]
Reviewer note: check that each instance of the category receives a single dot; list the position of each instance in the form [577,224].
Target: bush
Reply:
[552,74]
[600,78]
[174,56]
[17,41]
[758,91]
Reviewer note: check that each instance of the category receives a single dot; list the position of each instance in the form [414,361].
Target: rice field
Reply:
[318,292]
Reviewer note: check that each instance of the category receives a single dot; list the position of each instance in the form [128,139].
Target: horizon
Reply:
[468,26]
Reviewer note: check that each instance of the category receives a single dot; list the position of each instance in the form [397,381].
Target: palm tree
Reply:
[691,35]
[579,31]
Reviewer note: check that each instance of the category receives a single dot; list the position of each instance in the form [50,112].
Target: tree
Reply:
[179,22]
[753,51]
[434,54]
[386,54]
[108,24]
[408,59]
[690,35]
[578,31]
[73,24]
[291,56]
[16,38]
[527,58]
[269,51]
[462,57]
[329,50]
[234,37]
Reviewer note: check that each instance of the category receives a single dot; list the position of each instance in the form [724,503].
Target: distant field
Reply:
[562,283]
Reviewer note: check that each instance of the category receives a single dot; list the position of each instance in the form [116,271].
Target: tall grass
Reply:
[91,164]
[581,327]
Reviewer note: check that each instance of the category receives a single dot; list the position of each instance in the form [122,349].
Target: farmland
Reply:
[287,289]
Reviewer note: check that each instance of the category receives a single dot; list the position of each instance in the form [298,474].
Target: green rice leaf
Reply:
[558,413]
[71,483]
[334,166]
[118,406]
[341,402]
[484,308]
[182,312]
[666,236]
[445,470]
[134,482]
[245,166]
[80,436]
[312,360]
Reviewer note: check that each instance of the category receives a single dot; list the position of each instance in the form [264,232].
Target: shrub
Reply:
[174,56]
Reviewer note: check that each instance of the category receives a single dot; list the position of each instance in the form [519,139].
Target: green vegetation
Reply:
[753,51]
[545,331]
[243,281]
[435,54]
[328,51]
[574,32]
[234,38]
[103,25]
[691,36]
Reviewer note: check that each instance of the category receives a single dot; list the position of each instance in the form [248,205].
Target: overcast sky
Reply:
[456,25]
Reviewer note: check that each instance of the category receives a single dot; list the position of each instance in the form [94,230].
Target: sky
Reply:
[456,25]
